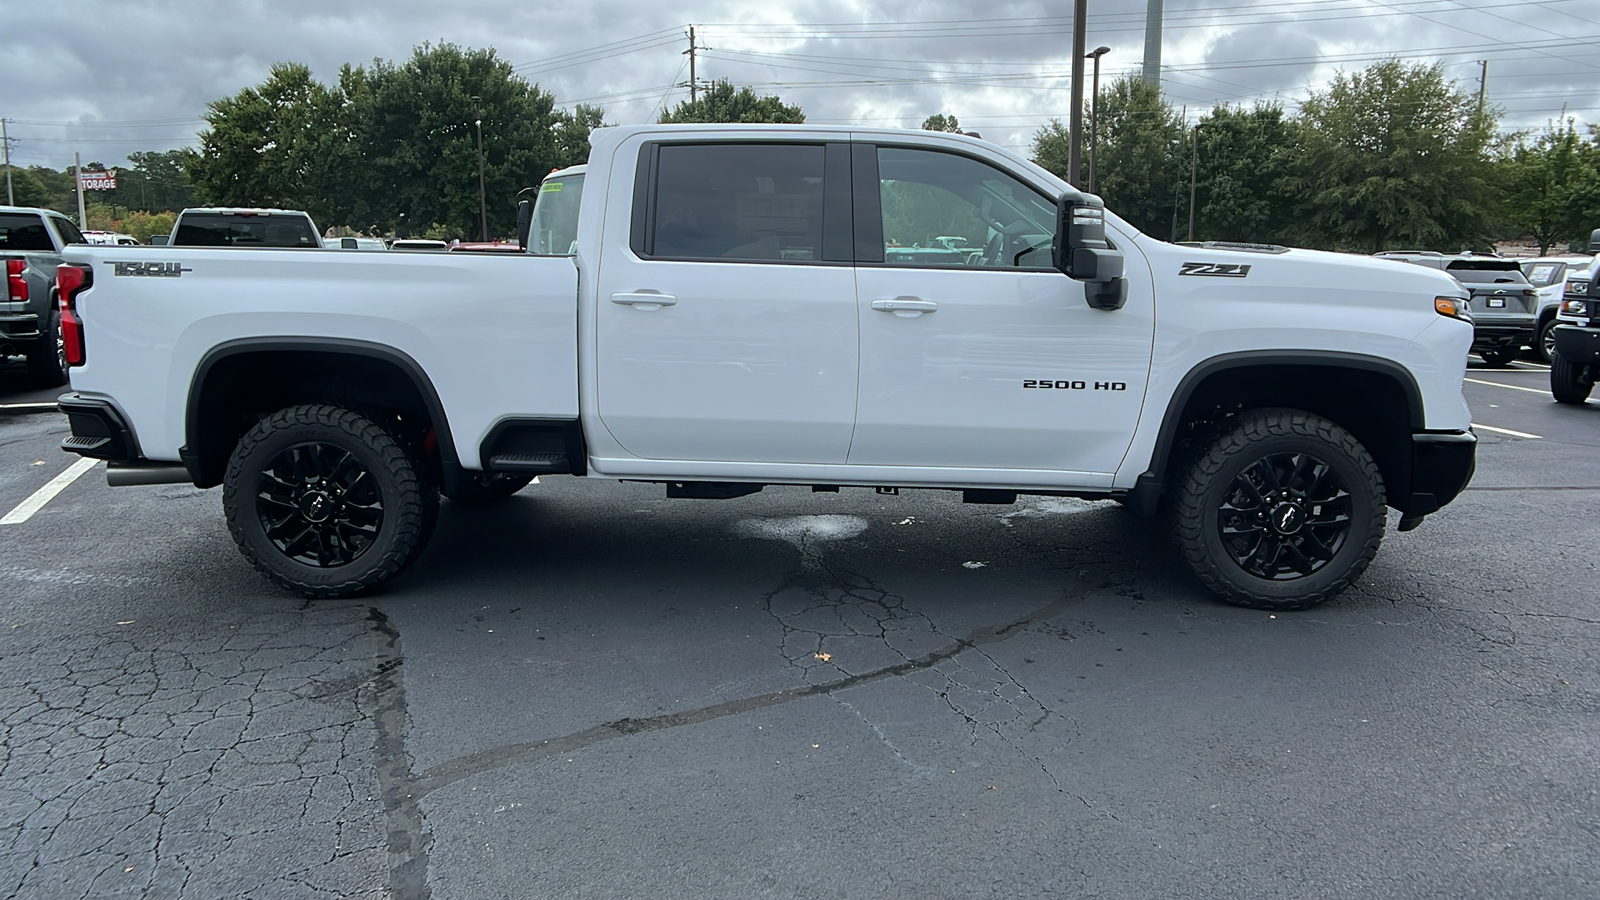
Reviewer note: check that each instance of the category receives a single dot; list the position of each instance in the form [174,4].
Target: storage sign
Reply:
[99,181]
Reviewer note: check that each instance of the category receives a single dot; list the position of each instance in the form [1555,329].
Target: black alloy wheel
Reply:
[319,505]
[1285,516]
[327,502]
[1280,509]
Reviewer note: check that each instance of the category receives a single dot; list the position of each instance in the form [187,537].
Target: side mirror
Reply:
[158,240]
[524,223]
[1082,253]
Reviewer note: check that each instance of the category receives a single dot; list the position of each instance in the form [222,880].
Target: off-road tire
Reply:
[1566,381]
[1260,437]
[408,503]
[1499,358]
[481,487]
[47,361]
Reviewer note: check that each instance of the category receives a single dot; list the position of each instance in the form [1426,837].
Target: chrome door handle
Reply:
[644,300]
[905,306]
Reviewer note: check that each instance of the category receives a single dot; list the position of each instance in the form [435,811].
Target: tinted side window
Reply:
[942,209]
[68,231]
[21,231]
[739,202]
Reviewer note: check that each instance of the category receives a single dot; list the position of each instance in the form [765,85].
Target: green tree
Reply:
[1550,187]
[1245,159]
[941,122]
[1143,144]
[155,181]
[1395,156]
[721,103]
[270,145]
[416,122]
[572,133]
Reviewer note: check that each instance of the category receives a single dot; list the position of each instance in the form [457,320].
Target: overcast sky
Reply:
[108,78]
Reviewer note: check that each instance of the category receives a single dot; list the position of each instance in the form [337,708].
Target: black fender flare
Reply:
[450,463]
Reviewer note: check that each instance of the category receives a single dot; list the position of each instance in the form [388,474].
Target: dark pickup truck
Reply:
[30,249]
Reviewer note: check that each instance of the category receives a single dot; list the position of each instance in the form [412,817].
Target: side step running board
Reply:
[529,462]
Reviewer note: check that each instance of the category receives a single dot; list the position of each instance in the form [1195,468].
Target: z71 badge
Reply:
[1216,270]
[149,269]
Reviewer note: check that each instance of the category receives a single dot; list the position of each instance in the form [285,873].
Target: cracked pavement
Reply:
[592,691]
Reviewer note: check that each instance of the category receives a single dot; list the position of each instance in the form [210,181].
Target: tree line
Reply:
[1395,156]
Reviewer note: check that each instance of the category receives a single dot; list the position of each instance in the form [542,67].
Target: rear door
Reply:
[726,330]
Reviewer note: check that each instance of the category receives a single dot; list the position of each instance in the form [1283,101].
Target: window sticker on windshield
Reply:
[550,188]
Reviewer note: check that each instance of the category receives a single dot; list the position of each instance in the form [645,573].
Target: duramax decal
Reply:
[1216,270]
[149,269]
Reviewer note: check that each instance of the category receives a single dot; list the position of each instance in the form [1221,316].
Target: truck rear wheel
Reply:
[325,502]
[1566,381]
[1284,510]
[47,356]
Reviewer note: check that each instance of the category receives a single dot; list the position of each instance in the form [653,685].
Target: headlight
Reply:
[1573,307]
[1577,287]
[1454,307]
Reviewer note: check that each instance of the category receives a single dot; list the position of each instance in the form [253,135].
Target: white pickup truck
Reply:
[719,308]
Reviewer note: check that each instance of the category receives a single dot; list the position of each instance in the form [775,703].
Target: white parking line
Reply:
[1520,434]
[1537,367]
[28,507]
[1509,387]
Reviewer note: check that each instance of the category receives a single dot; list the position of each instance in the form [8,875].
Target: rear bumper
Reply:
[98,430]
[19,327]
[1577,345]
[1442,464]
[1500,334]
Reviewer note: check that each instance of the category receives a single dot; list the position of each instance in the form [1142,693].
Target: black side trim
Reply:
[562,437]
[868,203]
[450,463]
[838,229]
[98,430]
[1151,483]
[644,176]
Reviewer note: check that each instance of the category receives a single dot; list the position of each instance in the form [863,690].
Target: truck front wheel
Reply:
[1566,381]
[1284,510]
[325,502]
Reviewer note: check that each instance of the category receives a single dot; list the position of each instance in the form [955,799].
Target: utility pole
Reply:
[1483,82]
[1152,44]
[6,140]
[77,175]
[1080,23]
[483,205]
[1194,169]
[694,85]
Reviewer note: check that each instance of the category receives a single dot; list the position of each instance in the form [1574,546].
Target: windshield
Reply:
[554,230]
[1544,274]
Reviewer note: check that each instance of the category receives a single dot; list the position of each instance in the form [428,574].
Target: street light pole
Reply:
[1080,22]
[1094,115]
[483,204]
[1194,169]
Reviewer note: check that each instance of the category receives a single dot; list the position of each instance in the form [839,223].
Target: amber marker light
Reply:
[1454,307]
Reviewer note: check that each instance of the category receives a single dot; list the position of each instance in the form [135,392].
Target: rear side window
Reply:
[221,230]
[23,232]
[746,202]
[68,231]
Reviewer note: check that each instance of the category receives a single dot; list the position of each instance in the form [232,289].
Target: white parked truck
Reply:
[720,308]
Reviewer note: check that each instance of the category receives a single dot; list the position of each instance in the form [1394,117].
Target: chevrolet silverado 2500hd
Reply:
[719,308]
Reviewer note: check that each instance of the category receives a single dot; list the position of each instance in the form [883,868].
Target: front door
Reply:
[729,331]
[975,351]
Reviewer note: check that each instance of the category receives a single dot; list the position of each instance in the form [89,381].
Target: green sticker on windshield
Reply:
[549,187]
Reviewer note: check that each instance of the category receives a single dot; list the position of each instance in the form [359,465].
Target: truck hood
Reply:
[1293,276]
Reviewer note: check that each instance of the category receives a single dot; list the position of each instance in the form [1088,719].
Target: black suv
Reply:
[1504,305]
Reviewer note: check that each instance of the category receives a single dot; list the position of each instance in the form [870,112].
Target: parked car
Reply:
[355,243]
[417,244]
[238,227]
[110,237]
[31,241]
[1504,305]
[736,321]
[1548,275]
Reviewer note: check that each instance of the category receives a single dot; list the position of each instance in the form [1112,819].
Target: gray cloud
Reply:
[107,78]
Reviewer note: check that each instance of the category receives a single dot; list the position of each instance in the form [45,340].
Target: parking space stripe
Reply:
[1520,434]
[1509,387]
[28,507]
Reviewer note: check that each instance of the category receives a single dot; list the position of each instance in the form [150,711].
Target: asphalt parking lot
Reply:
[592,691]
